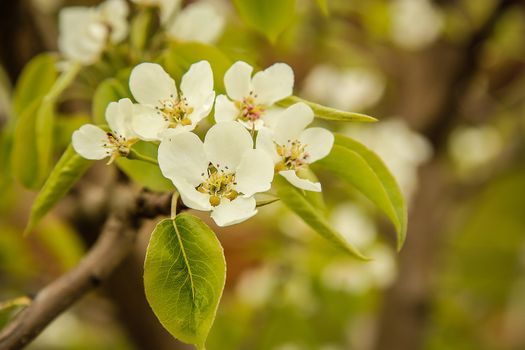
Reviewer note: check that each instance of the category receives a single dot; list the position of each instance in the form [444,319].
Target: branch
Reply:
[444,118]
[114,244]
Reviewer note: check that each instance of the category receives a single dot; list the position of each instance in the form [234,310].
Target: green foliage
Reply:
[363,169]
[323,7]
[24,159]
[10,308]
[36,80]
[66,173]
[328,113]
[178,59]
[295,199]
[270,17]
[109,90]
[184,276]
[145,174]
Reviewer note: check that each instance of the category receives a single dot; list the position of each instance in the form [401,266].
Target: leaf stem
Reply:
[138,156]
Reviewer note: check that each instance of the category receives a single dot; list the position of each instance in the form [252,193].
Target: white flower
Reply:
[293,147]
[161,107]
[222,174]
[200,21]
[85,31]
[92,142]
[253,98]
[415,23]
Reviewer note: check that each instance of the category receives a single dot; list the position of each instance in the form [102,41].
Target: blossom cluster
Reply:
[85,32]
[251,141]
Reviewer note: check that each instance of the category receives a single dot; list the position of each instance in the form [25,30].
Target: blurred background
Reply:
[446,80]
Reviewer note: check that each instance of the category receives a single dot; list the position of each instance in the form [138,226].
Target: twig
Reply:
[114,244]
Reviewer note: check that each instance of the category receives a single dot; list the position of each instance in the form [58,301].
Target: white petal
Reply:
[202,109]
[271,116]
[265,143]
[197,84]
[114,13]
[193,198]
[254,173]
[167,7]
[149,83]
[318,143]
[147,123]
[225,144]
[304,184]
[230,213]
[225,110]
[198,22]
[182,159]
[292,121]
[237,80]
[89,140]
[119,116]
[273,84]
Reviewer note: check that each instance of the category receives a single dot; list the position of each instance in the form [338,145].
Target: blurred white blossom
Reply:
[471,147]
[402,149]
[352,89]
[415,23]
[354,224]
[256,285]
[360,277]
[85,31]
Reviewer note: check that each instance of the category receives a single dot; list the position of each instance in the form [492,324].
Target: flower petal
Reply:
[119,116]
[273,84]
[225,144]
[318,143]
[202,110]
[265,143]
[191,197]
[292,121]
[230,213]
[197,84]
[304,184]
[89,141]
[237,80]
[149,83]
[198,22]
[225,110]
[147,123]
[182,159]
[254,173]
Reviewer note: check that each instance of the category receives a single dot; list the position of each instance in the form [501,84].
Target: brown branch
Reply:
[114,244]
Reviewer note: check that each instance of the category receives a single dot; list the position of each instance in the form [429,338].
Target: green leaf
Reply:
[294,199]
[66,173]
[184,275]
[146,174]
[44,140]
[141,28]
[329,113]
[108,91]
[9,308]
[36,80]
[367,173]
[269,17]
[24,158]
[178,59]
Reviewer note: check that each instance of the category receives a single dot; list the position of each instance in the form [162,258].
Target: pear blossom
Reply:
[221,174]
[161,107]
[85,31]
[292,146]
[92,142]
[251,100]
[200,21]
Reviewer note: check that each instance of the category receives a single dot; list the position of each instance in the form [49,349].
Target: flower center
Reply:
[293,156]
[175,111]
[118,146]
[249,110]
[218,185]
